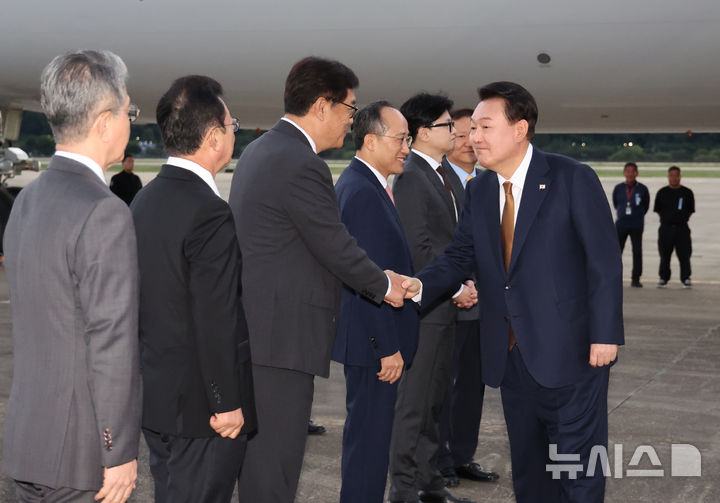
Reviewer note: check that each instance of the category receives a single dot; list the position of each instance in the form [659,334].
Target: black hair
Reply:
[312,78]
[368,121]
[187,111]
[423,109]
[519,103]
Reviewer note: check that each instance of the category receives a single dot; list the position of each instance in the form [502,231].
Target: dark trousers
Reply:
[674,237]
[636,242]
[462,409]
[366,436]
[27,492]
[283,400]
[573,417]
[194,470]
[415,435]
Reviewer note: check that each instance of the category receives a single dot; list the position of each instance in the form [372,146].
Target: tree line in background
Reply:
[36,139]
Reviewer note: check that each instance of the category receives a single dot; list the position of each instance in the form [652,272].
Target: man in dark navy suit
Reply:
[537,230]
[373,342]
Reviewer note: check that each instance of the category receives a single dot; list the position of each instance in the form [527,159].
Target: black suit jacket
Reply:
[296,252]
[428,216]
[472,313]
[195,353]
[125,185]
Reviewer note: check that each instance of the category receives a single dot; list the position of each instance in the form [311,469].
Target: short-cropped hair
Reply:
[631,164]
[368,120]
[423,109]
[187,111]
[673,168]
[461,113]
[75,85]
[519,103]
[312,78]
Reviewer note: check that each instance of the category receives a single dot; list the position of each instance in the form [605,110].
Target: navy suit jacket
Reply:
[366,331]
[563,290]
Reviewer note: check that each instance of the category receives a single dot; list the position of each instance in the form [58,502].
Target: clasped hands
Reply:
[402,287]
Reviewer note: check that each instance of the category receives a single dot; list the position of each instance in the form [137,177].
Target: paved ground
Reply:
[665,389]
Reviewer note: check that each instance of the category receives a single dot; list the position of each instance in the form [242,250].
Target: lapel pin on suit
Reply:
[542,186]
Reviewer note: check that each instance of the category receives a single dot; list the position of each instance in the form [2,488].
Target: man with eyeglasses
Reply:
[428,211]
[73,417]
[373,343]
[538,232]
[296,255]
[198,402]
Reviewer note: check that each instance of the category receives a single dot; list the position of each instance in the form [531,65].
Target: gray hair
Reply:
[73,86]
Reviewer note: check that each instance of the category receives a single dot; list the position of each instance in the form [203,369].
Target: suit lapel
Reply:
[435,181]
[490,199]
[537,184]
[363,171]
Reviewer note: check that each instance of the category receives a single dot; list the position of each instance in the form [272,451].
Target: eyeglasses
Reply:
[133,112]
[401,139]
[449,124]
[353,108]
[235,123]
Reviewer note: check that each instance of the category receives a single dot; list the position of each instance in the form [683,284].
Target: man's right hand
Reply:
[118,483]
[391,368]
[397,293]
[228,424]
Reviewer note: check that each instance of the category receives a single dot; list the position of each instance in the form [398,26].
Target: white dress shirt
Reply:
[204,174]
[518,181]
[309,139]
[85,161]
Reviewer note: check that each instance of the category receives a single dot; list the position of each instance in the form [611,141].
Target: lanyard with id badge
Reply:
[629,195]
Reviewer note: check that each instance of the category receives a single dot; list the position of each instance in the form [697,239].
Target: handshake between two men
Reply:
[405,287]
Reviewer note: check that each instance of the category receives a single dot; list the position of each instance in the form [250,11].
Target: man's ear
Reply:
[103,126]
[320,108]
[521,130]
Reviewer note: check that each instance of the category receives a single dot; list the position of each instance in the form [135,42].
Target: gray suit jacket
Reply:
[296,252]
[428,217]
[472,313]
[71,262]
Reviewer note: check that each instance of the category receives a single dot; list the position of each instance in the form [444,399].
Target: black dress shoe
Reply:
[636,283]
[315,429]
[474,471]
[441,496]
[450,478]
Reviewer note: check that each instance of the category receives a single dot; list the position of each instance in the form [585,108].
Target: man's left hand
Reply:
[602,354]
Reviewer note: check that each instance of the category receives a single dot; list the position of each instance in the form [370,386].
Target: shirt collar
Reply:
[381,179]
[518,178]
[309,139]
[432,162]
[204,174]
[85,161]
[461,173]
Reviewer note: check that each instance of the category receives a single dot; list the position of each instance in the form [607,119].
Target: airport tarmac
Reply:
[664,391]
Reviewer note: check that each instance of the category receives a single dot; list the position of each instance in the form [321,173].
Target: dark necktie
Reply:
[507,229]
[441,172]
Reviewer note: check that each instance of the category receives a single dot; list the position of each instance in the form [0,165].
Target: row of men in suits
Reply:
[75,409]
[168,269]
[550,297]
[76,385]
